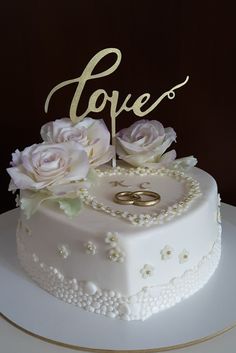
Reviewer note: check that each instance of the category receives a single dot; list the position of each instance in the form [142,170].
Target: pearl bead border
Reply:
[140,306]
[146,219]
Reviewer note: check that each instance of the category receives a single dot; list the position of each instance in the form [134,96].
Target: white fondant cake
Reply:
[126,241]
[125,261]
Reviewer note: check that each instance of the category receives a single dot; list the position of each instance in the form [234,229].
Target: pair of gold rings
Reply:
[135,198]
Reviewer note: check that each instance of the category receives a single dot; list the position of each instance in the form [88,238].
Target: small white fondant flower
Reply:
[144,144]
[111,238]
[147,271]
[116,255]
[166,253]
[90,248]
[63,250]
[183,256]
[92,134]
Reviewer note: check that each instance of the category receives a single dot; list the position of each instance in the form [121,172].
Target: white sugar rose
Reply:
[92,134]
[144,144]
[44,166]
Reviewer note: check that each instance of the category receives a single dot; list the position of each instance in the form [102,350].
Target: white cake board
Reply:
[207,313]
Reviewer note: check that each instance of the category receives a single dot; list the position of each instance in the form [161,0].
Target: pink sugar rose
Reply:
[92,134]
[47,165]
[144,144]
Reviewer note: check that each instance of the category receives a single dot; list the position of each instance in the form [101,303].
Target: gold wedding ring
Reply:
[126,198]
[135,198]
[155,198]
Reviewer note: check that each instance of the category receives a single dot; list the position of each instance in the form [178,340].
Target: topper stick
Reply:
[113,139]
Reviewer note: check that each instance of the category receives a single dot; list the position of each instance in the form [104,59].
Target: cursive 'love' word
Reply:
[101,96]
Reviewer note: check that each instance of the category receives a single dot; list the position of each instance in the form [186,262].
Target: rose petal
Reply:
[91,133]
[138,159]
[166,144]
[137,147]
[106,157]
[16,158]
[46,164]
[22,180]
[79,166]
[185,163]
[12,186]
[50,132]
[170,134]
[99,132]
[168,157]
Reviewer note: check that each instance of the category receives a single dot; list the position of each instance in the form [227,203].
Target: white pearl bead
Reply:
[124,309]
[90,288]
[111,314]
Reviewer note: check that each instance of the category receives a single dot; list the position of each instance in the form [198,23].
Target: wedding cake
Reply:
[125,241]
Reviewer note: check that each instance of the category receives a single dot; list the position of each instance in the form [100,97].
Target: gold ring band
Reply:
[126,197]
[134,198]
[154,200]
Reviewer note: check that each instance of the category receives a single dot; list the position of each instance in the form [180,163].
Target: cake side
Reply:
[95,257]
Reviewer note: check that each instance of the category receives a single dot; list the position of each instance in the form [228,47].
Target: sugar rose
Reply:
[92,134]
[42,166]
[144,144]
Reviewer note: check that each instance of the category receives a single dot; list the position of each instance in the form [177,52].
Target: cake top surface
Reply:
[94,220]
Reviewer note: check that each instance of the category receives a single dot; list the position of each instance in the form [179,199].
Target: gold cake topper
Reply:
[93,105]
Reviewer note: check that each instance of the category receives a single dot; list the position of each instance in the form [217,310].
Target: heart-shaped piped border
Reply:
[146,219]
